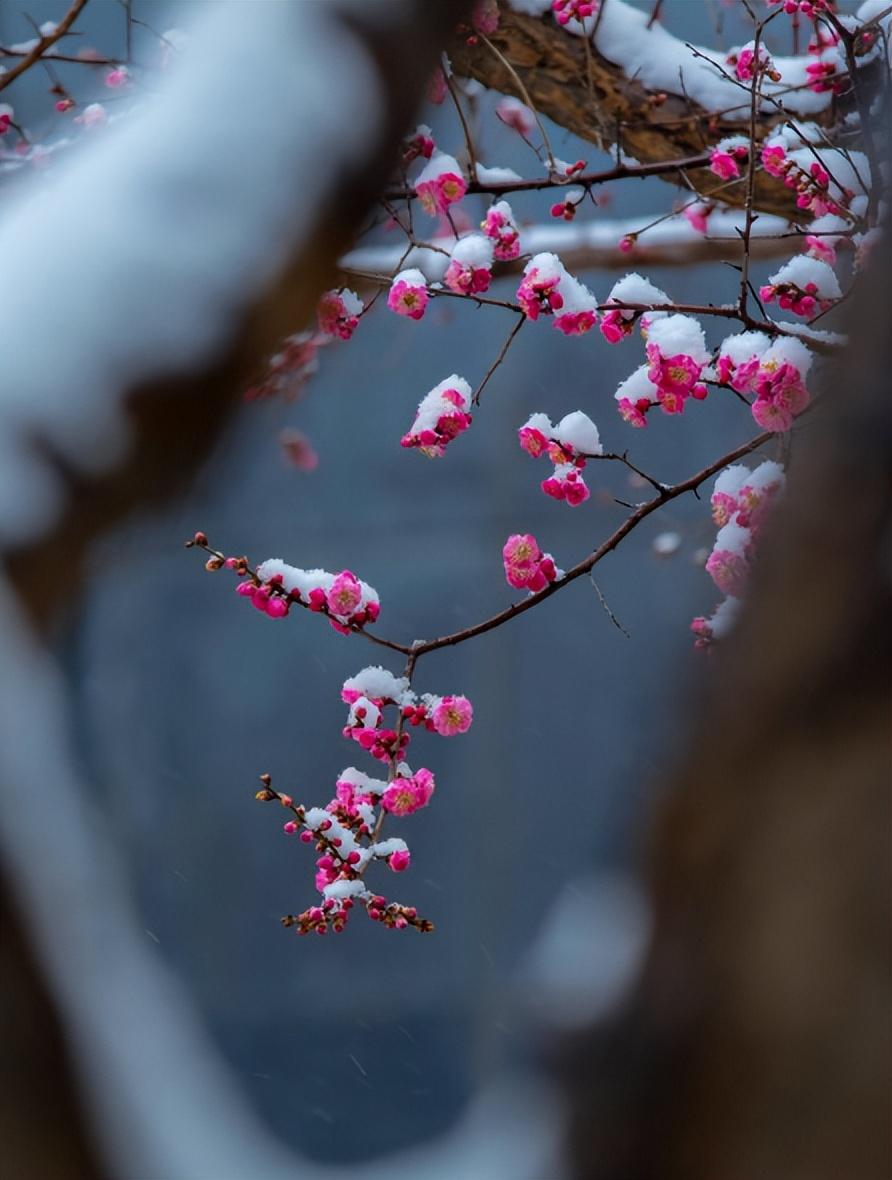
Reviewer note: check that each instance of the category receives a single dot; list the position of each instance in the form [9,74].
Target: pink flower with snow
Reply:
[728,570]
[566,484]
[453,715]
[774,159]
[822,247]
[338,313]
[442,415]
[727,159]
[419,143]
[440,184]
[6,114]
[747,63]
[408,295]
[532,440]
[117,78]
[499,227]
[469,271]
[538,293]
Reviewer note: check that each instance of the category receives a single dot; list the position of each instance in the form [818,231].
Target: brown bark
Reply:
[593,98]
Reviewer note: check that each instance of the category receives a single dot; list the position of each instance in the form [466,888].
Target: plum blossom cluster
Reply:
[804,285]
[346,831]
[548,289]
[275,587]
[774,372]
[499,226]
[408,295]
[568,445]
[730,156]
[825,182]
[442,414]
[526,566]
[741,500]
[567,10]
[338,313]
[676,356]
[440,184]
[751,60]
[619,322]
[470,266]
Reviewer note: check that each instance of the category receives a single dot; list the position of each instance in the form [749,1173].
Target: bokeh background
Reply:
[356,1045]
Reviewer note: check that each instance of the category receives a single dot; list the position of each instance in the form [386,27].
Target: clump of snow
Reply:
[376,682]
[803,270]
[577,430]
[634,288]
[474,250]
[637,387]
[496,175]
[675,335]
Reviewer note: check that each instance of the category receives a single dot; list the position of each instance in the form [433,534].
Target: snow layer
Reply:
[136,258]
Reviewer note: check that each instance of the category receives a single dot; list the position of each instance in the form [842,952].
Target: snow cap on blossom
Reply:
[344,598]
[579,433]
[440,184]
[728,156]
[408,294]
[500,227]
[631,288]
[535,434]
[748,60]
[352,782]
[376,683]
[526,566]
[547,288]
[470,265]
[725,490]
[719,625]
[635,396]
[566,484]
[804,285]
[442,414]
[757,493]
[728,564]
[516,115]
[779,384]
[676,353]
[574,435]
[419,143]
[738,359]
[338,313]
